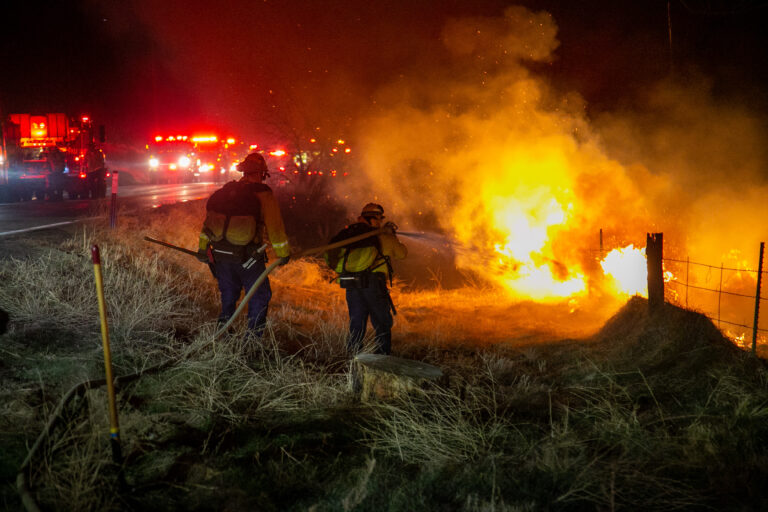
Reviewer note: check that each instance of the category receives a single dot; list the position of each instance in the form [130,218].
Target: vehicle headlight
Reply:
[154,162]
[184,161]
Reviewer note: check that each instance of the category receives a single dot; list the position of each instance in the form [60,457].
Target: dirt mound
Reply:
[671,339]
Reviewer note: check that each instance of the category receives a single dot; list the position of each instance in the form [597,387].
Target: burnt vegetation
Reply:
[660,410]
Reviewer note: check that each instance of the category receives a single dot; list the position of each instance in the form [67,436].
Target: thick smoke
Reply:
[710,157]
[485,151]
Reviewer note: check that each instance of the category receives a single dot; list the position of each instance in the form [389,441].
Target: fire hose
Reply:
[22,477]
[273,266]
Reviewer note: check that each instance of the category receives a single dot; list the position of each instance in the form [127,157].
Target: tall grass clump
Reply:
[76,472]
[240,378]
[437,427]
[55,292]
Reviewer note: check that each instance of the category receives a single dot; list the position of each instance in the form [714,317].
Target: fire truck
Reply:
[44,156]
[215,156]
[185,158]
[172,159]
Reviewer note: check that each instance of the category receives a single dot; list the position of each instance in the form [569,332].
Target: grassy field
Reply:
[597,406]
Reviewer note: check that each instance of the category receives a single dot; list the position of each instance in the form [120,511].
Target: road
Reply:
[15,217]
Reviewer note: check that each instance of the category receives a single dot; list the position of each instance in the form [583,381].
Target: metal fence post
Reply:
[757,297]
[687,278]
[719,295]
[654,253]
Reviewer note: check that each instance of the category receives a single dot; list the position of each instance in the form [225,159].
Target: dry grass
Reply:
[241,378]
[659,411]
[77,460]
[438,427]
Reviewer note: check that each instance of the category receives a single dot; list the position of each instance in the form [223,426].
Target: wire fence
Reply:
[725,295]
[736,297]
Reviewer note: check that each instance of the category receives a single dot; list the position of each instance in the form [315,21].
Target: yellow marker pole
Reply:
[114,428]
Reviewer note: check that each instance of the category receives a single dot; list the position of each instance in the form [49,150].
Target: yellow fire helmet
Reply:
[372,210]
[254,163]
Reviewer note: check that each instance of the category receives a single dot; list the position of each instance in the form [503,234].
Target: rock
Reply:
[386,377]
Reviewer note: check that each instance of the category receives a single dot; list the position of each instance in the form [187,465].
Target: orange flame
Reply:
[525,265]
[627,270]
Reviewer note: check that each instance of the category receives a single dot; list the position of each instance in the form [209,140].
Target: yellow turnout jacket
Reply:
[239,212]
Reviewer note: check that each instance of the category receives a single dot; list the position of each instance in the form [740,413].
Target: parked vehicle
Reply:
[172,160]
[51,156]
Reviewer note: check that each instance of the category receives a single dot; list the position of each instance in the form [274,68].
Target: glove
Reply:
[284,260]
[202,256]
[391,226]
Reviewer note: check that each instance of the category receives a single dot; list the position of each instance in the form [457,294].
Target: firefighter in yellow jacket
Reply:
[366,284]
[233,236]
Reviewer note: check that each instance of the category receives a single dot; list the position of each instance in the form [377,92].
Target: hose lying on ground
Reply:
[22,478]
[271,267]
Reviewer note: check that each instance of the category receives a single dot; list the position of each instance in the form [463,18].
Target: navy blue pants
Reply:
[233,278]
[372,302]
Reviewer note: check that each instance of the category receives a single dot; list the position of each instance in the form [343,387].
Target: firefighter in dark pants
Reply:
[373,300]
[56,163]
[236,217]
[97,173]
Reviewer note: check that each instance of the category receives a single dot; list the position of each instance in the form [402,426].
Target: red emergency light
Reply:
[38,129]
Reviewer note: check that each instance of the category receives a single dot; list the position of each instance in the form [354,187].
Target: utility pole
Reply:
[669,31]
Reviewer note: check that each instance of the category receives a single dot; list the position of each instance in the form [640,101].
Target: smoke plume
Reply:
[483,150]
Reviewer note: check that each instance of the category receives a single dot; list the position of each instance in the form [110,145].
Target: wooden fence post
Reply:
[757,297]
[654,252]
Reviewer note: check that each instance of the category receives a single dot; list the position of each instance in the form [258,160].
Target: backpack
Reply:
[233,221]
[358,256]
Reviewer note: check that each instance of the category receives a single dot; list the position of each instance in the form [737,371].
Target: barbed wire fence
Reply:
[678,274]
[711,305]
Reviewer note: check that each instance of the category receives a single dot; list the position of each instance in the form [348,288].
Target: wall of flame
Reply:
[514,170]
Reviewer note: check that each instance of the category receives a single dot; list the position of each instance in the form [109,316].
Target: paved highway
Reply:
[15,217]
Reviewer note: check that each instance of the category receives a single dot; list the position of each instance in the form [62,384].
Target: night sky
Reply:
[245,67]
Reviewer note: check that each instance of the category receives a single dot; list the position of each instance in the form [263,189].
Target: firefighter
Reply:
[97,173]
[369,297]
[237,215]
[56,164]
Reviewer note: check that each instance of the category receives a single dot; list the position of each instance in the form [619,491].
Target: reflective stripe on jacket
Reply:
[239,211]
[363,258]
[392,248]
